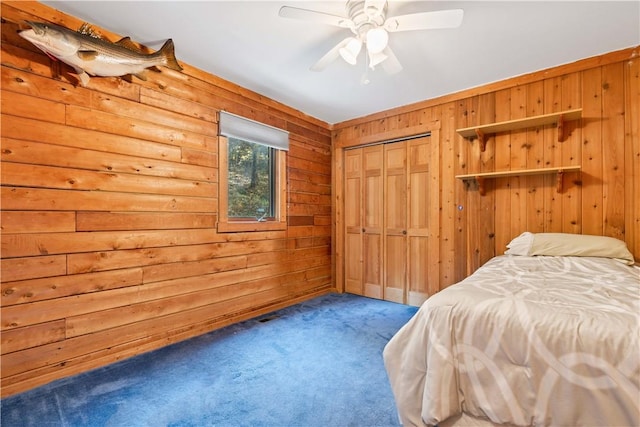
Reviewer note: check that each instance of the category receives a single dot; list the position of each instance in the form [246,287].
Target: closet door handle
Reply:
[404,232]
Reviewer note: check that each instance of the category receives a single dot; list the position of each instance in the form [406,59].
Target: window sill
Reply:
[247,226]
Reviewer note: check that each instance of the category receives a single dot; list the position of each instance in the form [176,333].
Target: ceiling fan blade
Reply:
[391,65]
[330,56]
[315,16]
[425,21]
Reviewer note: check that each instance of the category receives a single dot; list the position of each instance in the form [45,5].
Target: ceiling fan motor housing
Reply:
[366,18]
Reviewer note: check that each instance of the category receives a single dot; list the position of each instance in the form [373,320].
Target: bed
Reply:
[547,334]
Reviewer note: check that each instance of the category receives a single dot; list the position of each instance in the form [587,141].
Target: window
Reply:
[252,182]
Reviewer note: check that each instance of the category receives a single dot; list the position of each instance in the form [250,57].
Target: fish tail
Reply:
[167,52]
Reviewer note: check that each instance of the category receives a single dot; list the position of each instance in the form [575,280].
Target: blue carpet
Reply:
[318,363]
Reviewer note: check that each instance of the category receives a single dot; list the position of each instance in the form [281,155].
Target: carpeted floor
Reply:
[318,363]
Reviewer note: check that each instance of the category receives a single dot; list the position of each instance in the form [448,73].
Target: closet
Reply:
[386,220]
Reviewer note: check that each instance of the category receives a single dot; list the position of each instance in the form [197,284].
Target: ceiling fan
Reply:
[370,27]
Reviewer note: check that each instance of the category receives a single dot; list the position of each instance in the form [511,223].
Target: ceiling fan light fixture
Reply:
[377,40]
[350,50]
[376,58]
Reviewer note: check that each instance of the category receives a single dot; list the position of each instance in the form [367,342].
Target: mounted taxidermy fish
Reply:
[91,55]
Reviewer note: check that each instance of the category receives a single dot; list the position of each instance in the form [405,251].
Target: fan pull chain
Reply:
[364,80]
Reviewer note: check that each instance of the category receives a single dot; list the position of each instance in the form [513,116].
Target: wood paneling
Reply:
[109,211]
[602,199]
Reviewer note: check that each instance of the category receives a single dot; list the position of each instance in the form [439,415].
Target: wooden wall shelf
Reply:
[558,119]
[480,177]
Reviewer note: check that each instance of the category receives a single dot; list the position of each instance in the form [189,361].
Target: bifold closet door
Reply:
[406,225]
[395,221]
[353,185]
[419,211]
[363,221]
[372,220]
[386,214]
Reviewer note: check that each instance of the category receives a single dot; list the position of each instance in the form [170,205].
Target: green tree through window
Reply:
[251,183]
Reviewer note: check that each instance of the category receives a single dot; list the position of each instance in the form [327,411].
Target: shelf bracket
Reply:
[482,139]
[560,128]
[480,181]
[559,181]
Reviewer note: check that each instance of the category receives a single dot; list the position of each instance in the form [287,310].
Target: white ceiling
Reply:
[247,43]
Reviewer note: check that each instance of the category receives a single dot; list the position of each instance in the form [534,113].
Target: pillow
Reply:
[565,244]
[520,245]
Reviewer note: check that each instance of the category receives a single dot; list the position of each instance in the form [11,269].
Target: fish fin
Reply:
[142,76]
[129,44]
[168,53]
[87,30]
[83,77]
[87,55]
[53,58]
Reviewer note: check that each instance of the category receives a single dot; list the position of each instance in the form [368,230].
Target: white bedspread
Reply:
[527,341]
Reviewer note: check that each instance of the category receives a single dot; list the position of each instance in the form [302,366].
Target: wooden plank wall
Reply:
[109,203]
[604,199]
